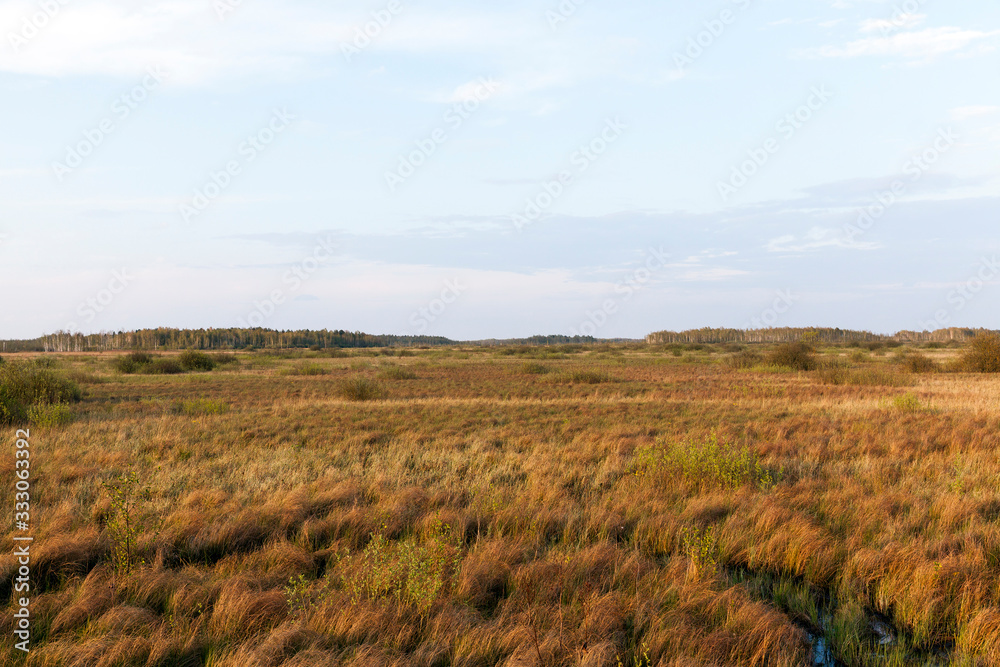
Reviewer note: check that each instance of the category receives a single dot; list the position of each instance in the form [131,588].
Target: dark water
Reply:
[883,636]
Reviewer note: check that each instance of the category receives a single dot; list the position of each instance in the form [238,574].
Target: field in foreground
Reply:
[598,505]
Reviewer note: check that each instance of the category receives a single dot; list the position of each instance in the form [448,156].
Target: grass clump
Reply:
[200,407]
[397,373]
[361,389]
[307,368]
[983,356]
[744,359]
[706,464]
[27,389]
[796,356]
[191,360]
[534,368]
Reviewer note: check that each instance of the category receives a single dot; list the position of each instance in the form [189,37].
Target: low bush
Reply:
[983,356]
[534,368]
[24,385]
[200,407]
[132,363]
[191,360]
[589,377]
[706,464]
[162,367]
[797,356]
[744,359]
[361,389]
[919,363]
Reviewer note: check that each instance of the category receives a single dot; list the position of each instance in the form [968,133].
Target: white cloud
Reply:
[885,26]
[816,239]
[964,113]
[919,46]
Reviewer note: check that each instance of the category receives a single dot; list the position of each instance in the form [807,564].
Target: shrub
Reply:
[744,359]
[125,523]
[57,414]
[361,389]
[397,373]
[534,368]
[190,360]
[24,385]
[908,402]
[132,363]
[919,363]
[797,356]
[162,367]
[589,377]
[984,354]
[709,463]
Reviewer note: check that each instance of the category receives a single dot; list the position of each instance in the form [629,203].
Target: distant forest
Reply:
[819,335]
[270,339]
[241,339]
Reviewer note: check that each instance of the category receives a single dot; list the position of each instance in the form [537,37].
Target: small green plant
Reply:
[701,547]
[707,463]
[361,389]
[56,414]
[199,407]
[191,360]
[299,595]
[908,402]
[124,522]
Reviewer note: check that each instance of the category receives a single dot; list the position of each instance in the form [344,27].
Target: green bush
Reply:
[132,363]
[919,363]
[56,414]
[191,360]
[24,385]
[199,407]
[706,464]
[797,356]
[361,389]
[744,359]
[162,367]
[589,377]
[984,354]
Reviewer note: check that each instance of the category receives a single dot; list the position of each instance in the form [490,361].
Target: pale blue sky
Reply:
[119,117]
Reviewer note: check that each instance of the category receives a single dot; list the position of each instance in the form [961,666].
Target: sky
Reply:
[494,170]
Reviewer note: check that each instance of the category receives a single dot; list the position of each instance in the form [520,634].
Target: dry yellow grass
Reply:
[476,514]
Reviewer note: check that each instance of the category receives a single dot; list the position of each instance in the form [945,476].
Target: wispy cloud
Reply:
[915,46]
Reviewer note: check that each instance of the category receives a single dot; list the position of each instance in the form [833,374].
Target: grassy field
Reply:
[627,506]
